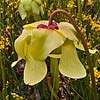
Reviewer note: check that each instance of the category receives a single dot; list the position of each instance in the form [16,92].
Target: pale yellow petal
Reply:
[35,71]
[79,45]
[67,30]
[55,55]
[93,51]
[43,42]
[35,24]
[15,62]
[70,64]
[22,42]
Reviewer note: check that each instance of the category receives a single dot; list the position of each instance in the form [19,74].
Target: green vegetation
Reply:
[14,14]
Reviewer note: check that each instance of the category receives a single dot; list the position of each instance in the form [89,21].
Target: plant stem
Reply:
[84,42]
[51,89]
[79,9]
[4,16]
[55,75]
[3,78]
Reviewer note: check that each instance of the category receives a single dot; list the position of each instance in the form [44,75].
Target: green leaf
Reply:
[43,42]
[35,70]
[70,64]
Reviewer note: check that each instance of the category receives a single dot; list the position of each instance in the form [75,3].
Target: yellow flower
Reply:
[17,97]
[37,42]
[96,74]
[90,2]
[4,42]
[71,4]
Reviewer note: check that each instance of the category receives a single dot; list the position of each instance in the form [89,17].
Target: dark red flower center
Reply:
[52,26]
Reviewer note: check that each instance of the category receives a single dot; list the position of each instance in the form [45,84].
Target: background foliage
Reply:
[87,15]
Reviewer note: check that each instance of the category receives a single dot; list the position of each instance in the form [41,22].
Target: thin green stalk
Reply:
[14,75]
[79,9]
[3,78]
[55,75]
[84,42]
[50,88]
[4,15]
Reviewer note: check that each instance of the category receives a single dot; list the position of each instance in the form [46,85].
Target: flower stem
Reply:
[84,42]
[55,75]
[79,10]
[51,89]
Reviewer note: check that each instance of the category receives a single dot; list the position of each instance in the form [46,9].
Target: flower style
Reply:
[38,41]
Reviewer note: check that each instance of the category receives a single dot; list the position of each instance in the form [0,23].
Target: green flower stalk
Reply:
[38,41]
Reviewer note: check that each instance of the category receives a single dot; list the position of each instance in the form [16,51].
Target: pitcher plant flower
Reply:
[37,42]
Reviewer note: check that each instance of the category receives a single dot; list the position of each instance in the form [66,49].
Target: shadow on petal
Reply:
[43,42]
[22,42]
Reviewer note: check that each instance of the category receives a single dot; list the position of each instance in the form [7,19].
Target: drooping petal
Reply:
[78,45]
[67,30]
[35,71]
[43,42]
[22,42]
[70,64]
